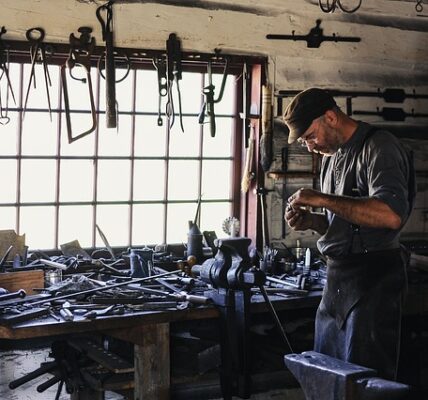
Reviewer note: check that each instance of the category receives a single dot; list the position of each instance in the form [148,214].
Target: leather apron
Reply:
[359,317]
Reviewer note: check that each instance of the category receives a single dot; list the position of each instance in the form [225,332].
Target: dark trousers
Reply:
[359,317]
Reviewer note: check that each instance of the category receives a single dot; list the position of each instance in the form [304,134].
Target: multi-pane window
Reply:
[139,183]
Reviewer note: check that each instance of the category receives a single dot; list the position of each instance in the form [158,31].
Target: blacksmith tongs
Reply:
[4,67]
[37,53]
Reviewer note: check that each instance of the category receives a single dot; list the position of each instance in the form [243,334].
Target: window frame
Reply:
[140,59]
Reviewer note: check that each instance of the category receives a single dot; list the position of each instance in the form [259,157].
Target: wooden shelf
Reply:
[291,174]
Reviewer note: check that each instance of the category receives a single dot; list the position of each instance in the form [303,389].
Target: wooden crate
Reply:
[26,280]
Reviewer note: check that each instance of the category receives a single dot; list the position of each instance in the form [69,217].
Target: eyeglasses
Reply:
[311,137]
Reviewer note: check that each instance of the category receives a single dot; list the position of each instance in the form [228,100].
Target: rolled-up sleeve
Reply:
[388,172]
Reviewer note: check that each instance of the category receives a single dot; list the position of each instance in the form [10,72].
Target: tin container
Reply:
[53,277]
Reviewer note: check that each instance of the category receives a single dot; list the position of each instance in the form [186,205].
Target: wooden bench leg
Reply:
[152,363]
[87,394]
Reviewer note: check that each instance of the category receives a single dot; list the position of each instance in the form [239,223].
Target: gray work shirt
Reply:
[380,169]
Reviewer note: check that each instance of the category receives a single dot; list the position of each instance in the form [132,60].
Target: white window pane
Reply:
[179,216]
[7,218]
[227,103]
[75,222]
[76,180]
[37,223]
[147,92]
[8,134]
[149,180]
[38,180]
[115,142]
[113,180]
[213,215]
[39,135]
[123,91]
[150,138]
[191,93]
[221,144]
[216,179]
[114,222]
[84,146]
[37,96]
[148,221]
[183,180]
[185,143]
[8,181]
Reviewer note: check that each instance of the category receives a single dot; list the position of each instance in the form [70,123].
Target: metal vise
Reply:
[326,378]
[232,277]
[230,268]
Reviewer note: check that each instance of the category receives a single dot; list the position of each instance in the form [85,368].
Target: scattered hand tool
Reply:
[20,293]
[4,67]
[177,294]
[105,241]
[37,53]
[105,311]
[53,264]
[110,74]
[81,50]
[208,92]
[66,314]
[4,258]
[101,289]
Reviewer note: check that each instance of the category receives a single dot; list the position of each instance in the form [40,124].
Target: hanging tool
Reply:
[4,67]
[160,66]
[208,92]
[244,115]
[174,74]
[391,114]
[315,37]
[266,138]
[389,95]
[81,50]
[37,53]
[110,74]
[248,174]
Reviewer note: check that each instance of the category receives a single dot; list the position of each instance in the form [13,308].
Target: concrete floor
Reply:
[16,363]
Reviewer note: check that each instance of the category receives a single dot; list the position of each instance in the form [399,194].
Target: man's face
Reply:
[320,138]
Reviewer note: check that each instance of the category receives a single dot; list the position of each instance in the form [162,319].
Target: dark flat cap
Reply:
[304,108]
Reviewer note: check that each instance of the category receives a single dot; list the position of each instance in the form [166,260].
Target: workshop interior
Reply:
[146,172]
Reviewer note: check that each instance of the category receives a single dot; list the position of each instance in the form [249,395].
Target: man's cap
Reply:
[304,108]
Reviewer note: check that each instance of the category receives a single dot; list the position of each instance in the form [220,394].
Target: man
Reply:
[365,196]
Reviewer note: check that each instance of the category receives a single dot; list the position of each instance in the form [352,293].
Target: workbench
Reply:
[149,332]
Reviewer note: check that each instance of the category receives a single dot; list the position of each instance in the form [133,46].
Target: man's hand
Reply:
[306,197]
[298,219]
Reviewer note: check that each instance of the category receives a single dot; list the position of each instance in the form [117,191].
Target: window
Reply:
[140,183]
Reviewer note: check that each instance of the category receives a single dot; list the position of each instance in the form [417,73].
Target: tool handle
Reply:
[20,293]
[53,264]
[66,314]
[48,367]
[49,383]
[191,298]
